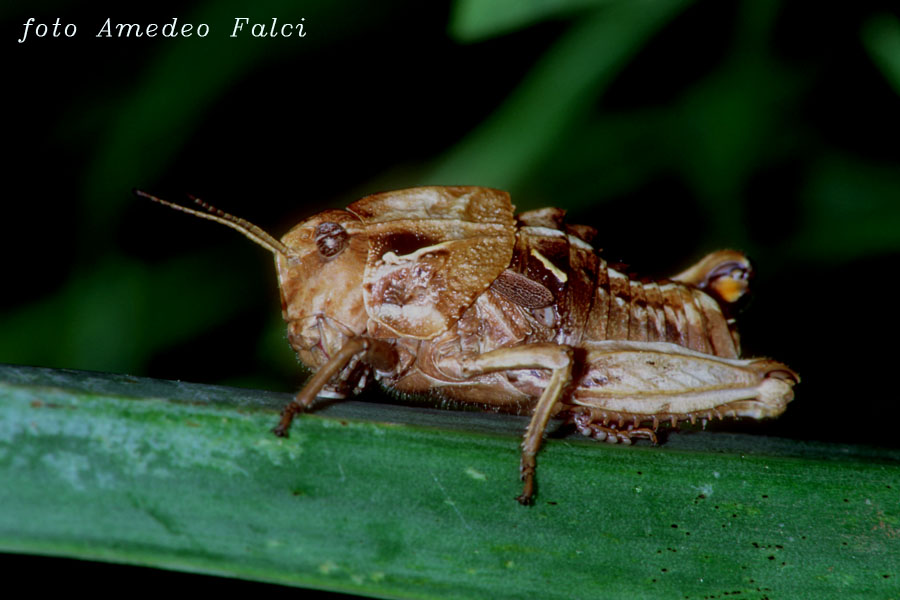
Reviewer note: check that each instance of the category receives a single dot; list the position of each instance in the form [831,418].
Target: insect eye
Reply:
[331,238]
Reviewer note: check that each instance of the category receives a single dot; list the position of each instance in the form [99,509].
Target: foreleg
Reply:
[371,351]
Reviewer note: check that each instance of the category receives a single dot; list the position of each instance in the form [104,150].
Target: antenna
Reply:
[212,213]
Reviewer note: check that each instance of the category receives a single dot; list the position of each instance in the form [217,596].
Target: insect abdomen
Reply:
[625,309]
[594,301]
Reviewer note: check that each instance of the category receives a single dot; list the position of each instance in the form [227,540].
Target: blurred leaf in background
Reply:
[673,126]
[559,89]
[881,35]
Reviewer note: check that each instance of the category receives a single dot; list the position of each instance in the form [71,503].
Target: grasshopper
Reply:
[444,291]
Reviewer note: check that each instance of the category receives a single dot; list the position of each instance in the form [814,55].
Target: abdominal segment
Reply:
[596,302]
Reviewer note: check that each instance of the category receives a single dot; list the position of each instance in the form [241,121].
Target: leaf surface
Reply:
[403,502]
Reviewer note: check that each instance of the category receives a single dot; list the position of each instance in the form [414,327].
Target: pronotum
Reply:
[444,291]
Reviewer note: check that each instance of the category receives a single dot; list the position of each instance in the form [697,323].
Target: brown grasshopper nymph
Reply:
[443,290]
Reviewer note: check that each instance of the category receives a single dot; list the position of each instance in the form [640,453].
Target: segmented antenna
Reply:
[247,228]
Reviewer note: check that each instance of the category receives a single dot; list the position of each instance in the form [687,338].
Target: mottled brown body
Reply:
[443,291]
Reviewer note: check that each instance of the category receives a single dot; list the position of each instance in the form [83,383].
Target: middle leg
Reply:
[559,360]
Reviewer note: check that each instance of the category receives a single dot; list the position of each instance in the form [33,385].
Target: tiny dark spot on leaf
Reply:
[674,526]
[771,557]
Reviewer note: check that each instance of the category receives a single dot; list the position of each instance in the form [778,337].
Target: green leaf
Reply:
[559,88]
[881,35]
[417,503]
[118,313]
[850,210]
[474,20]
